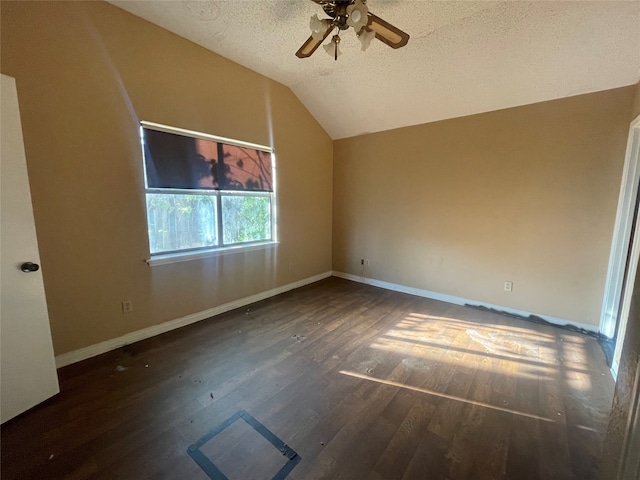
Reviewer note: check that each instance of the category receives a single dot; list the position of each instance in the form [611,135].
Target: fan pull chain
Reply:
[336,41]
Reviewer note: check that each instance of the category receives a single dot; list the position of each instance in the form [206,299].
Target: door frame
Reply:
[614,304]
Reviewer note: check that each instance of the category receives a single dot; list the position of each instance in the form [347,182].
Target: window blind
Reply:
[177,161]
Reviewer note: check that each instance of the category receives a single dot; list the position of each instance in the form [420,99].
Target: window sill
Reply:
[164,259]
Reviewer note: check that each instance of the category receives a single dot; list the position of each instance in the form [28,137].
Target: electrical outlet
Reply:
[291,266]
[127,306]
[508,286]
[367,262]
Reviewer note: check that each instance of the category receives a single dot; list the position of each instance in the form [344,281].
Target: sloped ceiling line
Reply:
[463,58]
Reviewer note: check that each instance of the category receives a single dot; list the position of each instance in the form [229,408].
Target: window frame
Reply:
[220,248]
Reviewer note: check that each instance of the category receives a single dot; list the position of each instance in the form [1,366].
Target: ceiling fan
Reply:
[344,14]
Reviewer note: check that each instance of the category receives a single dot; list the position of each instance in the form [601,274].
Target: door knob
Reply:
[29,267]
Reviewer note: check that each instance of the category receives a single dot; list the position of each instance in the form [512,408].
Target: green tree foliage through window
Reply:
[245,219]
[181,222]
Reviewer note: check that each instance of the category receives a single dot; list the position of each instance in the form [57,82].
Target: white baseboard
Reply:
[614,370]
[461,301]
[108,345]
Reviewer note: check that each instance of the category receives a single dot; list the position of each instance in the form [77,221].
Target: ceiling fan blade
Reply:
[387,33]
[311,45]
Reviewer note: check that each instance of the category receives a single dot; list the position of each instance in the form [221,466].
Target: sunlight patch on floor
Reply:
[437,355]
[502,349]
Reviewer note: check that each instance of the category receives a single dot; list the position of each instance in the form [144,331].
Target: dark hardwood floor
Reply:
[362,383]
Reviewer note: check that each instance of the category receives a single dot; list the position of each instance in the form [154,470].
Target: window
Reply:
[205,192]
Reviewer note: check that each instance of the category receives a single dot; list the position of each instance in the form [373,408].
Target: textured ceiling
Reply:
[464,57]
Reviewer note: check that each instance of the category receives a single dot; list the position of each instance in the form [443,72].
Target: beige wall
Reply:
[86,74]
[458,207]
[455,207]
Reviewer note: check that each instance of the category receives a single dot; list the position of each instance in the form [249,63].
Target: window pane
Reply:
[180,222]
[246,219]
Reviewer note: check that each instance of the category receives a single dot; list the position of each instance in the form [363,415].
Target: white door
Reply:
[27,369]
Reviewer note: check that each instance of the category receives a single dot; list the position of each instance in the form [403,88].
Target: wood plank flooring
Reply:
[361,382]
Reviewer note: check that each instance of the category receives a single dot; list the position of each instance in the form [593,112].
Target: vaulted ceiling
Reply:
[463,57]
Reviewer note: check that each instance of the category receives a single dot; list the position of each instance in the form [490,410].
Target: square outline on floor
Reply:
[215,474]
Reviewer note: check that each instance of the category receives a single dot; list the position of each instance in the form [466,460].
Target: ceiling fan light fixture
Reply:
[345,14]
[366,36]
[318,27]
[357,15]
